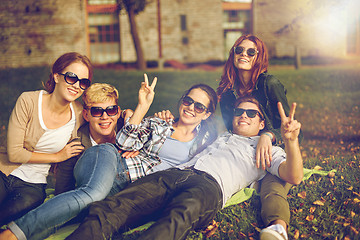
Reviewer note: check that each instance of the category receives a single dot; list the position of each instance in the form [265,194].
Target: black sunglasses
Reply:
[99,111]
[251,113]
[250,51]
[198,107]
[72,78]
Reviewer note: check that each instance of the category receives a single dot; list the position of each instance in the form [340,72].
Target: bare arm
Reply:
[292,169]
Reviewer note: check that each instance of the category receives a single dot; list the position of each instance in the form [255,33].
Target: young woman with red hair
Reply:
[245,73]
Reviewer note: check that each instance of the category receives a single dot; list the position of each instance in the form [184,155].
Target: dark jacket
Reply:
[268,91]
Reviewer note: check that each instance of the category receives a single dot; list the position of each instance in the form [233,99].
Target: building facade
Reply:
[35,33]
[183,30]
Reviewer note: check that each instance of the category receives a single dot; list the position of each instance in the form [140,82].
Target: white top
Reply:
[231,161]
[52,141]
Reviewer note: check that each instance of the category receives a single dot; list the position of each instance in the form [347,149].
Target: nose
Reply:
[243,115]
[77,84]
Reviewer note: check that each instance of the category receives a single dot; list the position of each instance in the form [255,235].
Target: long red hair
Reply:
[230,73]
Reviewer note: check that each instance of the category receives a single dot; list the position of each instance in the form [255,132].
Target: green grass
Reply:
[328,107]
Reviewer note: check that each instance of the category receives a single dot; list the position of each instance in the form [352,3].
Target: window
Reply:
[183,22]
[104,33]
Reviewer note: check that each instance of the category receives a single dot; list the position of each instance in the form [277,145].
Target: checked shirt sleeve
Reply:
[148,137]
[132,137]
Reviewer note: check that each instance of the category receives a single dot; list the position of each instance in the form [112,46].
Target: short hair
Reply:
[250,99]
[99,92]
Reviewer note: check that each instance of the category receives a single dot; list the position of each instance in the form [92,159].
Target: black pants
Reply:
[18,197]
[179,200]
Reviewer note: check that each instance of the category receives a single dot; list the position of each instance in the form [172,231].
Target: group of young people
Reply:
[119,168]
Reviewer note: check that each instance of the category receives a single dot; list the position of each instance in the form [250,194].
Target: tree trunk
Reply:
[141,64]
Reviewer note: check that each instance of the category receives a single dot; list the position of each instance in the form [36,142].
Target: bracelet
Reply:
[269,135]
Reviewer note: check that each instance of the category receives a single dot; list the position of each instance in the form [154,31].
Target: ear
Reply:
[118,115]
[262,125]
[85,113]
[206,116]
[56,77]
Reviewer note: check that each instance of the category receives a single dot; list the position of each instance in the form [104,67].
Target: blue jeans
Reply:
[179,201]
[99,171]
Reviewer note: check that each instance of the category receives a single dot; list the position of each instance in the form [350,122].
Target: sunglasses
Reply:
[99,111]
[250,51]
[72,78]
[198,107]
[251,113]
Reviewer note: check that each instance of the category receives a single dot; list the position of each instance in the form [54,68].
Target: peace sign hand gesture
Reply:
[290,128]
[146,92]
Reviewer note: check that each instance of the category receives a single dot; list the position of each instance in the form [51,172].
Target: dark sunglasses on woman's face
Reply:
[72,78]
[250,51]
[198,107]
[99,111]
[251,113]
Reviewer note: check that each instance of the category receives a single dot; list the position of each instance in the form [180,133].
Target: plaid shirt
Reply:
[148,137]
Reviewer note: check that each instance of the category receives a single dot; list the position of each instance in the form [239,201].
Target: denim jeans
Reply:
[179,201]
[99,170]
[18,197]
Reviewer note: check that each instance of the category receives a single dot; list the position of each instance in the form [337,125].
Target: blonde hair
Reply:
[100,92]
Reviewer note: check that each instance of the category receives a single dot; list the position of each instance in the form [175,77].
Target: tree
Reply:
[133,7]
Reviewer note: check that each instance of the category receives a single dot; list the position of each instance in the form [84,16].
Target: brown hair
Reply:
[250,99]
[62,62]
[208,128]
[230,73]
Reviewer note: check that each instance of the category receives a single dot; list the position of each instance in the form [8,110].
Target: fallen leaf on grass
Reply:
[312,209]
[356,200]
[350,188]
[357,194]
[318,168]
[211,229]
[352,214]
[310,218]
[354,230]
[296,234]
[302,194]
[318,202]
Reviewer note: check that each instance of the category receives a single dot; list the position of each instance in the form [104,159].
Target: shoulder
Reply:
[29,96]
[271,80]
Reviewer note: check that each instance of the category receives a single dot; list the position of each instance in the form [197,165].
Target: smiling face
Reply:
[188,115]
[101,128]
[246,126]
[243,61]
[67,91]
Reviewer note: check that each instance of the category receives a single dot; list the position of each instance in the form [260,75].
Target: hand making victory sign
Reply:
[146,97]
[290,128]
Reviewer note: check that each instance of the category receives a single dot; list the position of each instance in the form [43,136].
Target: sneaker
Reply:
[274,232]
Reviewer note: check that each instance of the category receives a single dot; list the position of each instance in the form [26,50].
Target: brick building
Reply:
[183,30]
[35,33]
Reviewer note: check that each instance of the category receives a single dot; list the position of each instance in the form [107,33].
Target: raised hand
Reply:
[146,97]
[146,92]
[290,128]
[165,115]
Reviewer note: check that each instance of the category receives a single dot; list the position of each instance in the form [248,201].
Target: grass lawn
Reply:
[328,107]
